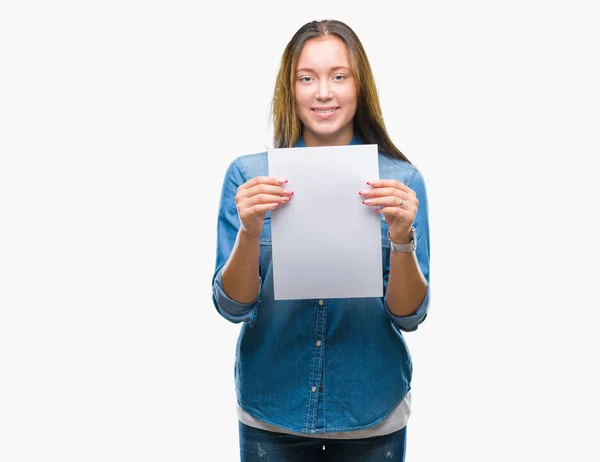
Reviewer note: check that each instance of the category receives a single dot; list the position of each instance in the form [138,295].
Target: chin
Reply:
[329,133]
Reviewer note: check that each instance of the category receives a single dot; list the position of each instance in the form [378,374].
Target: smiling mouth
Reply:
[325,111]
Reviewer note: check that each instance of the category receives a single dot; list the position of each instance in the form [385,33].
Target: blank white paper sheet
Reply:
[325,242]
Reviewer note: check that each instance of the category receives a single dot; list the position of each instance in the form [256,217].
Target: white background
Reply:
[117,122]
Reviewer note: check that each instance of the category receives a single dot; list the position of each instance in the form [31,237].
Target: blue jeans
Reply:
[263,446]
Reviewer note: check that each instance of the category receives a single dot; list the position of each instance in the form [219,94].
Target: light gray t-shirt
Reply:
[397,420]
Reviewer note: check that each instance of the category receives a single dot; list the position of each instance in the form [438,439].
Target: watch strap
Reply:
[410,247]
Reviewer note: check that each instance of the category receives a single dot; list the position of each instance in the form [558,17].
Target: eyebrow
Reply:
[308,69]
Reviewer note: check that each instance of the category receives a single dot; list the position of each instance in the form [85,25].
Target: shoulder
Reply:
[249,159]
[407,173]
[249,165]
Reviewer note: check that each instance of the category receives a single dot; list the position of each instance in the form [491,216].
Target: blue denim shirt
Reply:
[318,366]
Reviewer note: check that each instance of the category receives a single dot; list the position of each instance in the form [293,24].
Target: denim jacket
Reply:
[318,366]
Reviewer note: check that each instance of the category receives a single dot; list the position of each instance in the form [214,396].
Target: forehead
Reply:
[323,52]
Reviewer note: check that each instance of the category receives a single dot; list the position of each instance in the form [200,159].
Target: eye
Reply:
[339,77]
[305,79]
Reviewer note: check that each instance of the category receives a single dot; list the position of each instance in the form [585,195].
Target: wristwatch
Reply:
[410,247]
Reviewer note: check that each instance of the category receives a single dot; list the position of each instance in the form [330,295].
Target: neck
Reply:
[336,140]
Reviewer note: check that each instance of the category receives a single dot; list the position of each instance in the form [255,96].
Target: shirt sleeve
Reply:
[421,224]
[228,225]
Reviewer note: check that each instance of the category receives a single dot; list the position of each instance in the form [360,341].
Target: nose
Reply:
[323,90]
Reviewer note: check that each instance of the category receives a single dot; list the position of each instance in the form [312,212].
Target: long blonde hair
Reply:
[368,120]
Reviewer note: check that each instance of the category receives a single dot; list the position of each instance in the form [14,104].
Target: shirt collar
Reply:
[356,139]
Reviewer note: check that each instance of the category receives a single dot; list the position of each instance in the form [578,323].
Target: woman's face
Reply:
[325,92]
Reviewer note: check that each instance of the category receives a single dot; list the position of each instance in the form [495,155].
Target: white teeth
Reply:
[324,112]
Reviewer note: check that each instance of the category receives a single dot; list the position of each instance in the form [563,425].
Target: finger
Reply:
[397,212]
[267,189]
[258,209]
[263,199]
[263,180]
[394,201]
[387,201]
[390,184]
[381,192]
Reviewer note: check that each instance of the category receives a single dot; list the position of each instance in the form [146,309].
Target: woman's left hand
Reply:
[398,204]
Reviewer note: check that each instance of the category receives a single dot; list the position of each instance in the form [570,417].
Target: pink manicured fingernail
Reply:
[282,180]
[288,191]
[367,202]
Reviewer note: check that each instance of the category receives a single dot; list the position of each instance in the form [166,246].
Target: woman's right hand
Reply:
[255,197]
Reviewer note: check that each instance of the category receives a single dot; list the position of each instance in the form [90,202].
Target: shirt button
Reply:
[321,302]
[313,389]
[319,343]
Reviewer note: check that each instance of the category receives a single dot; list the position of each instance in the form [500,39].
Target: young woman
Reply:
[325,379]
